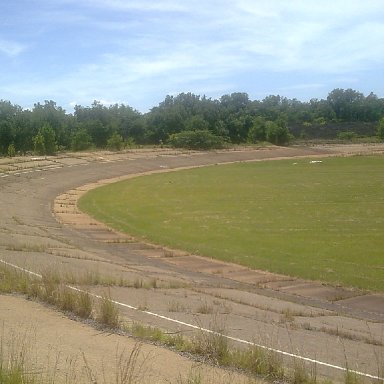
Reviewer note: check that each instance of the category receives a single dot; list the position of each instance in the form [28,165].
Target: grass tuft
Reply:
[108,312]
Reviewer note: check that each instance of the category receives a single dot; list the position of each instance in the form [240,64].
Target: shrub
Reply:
[38,144]
[83,305]
[276,134]
[115,142]
[81,140]
[380,129]
[11,150]
[257,132]
[44,142]
[108,313]
[198,140]
[346,135]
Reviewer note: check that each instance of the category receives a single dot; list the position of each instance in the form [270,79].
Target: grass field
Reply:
[322,221]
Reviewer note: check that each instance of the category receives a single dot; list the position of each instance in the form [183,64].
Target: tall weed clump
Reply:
[108,312]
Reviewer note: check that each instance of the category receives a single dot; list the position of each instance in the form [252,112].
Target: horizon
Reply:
[149,110]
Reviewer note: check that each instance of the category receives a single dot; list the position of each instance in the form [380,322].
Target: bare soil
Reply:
[56,347]
[333,325]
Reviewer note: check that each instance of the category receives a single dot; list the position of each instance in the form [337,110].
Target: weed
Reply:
[143,306]
[175,306]
[258,362]
[301,375]
[17,220]
[153,283]
[50,286]
[194,377]
[168,253]
[351,336]
[351,378]
[156,335]
[128,370]
[108,313]
[67,300]
[288,315]
[26,248]
[175,285]
[307,326]
[84,305]
[147,333]
[205,308]
[138,283]
[213,345]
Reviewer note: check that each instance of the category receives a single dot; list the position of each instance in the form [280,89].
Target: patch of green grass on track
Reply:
[321,221]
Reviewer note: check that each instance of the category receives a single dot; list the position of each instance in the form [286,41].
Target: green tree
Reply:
[115,142]
[38,144]
[196,123]
[49,139]
[98,131]
[45,141]
[380,129]
[81,140]
[198,140]
[276,134]
[347,104]
[11,150]
[6,135]
[55,116]
[257,132]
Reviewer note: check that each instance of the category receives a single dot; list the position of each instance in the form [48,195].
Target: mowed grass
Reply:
[321,221]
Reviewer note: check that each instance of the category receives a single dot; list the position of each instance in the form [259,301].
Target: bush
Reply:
[257,132]
[44,142]
[11,150]
[347,135]
[199,140]
[380,129]
[38,144]
[108,314]
[115,142]
[277,134]
[81,140]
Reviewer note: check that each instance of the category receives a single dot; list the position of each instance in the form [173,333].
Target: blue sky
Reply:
[137,52]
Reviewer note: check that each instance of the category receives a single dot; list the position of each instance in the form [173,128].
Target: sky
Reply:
[136,52]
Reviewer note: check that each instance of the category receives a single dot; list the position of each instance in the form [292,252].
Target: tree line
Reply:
[187,120]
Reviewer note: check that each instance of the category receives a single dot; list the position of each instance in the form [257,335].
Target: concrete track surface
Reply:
[41,228]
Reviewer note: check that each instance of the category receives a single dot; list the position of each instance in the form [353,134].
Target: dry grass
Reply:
[212,346]
[108,312]
[205,308]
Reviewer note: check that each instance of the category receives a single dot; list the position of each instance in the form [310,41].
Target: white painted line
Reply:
[20,269]
[246,342]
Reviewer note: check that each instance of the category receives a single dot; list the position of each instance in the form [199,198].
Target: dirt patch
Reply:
[69,351]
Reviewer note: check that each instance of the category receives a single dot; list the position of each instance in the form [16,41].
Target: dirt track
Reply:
[309,319]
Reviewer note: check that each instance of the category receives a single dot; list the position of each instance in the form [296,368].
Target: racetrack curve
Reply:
[323,323]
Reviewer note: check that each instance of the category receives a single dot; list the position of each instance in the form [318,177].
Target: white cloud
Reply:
[129,5]
[11,48]
[327,36]
[131,50]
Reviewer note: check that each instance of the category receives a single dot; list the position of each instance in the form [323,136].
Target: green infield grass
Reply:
[322,221]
